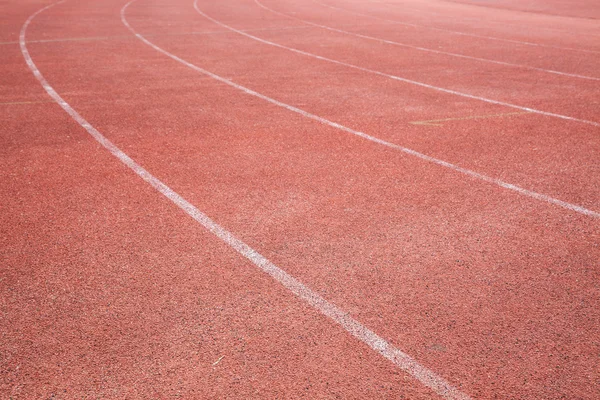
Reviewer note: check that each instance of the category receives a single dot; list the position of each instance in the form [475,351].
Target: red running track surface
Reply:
[110,290]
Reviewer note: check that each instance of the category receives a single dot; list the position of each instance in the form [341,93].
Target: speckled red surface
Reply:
[107,290]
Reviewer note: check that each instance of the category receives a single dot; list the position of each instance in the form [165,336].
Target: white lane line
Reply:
[465,171]
[128,37]
[352,326]
[458,32]
[395,77]
[22,103]
[550,71]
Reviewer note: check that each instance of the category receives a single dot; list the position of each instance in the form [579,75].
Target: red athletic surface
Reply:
[108,290]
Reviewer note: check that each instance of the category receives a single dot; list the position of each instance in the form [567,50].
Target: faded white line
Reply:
[128,37]
[395,77]
[473,174]
[352,326]
[425,49]
[457,32]
[19,103]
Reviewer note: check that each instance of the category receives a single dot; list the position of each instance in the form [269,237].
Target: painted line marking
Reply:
[435,122]
[395,77]
[129,37]
[465,171]
[457,32]
[11,103]
[428,50]
[352,326]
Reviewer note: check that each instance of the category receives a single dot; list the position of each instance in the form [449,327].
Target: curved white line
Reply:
[457,32]
[425,49]
[352,326]
[465,171]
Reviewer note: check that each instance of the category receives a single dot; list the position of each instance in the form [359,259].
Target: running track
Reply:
[300,199]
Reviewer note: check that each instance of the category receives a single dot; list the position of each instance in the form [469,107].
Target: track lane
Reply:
[428,50]
[409,151]
[89,300]
[580,10]
[541,146]
[343,180]
[90,297]
[574,62]
[425,376]
[513,21]
[482,34]
[440,80]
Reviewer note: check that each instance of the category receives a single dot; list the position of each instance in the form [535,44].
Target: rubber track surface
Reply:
[109,290]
